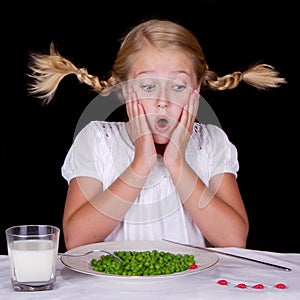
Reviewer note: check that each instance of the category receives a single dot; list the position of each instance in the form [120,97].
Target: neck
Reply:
[160,148]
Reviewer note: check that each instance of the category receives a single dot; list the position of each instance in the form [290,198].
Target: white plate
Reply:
[204,259]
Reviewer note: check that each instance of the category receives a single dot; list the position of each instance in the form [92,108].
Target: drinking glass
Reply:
[32,252]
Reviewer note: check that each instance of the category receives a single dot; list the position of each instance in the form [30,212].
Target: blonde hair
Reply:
[47,71]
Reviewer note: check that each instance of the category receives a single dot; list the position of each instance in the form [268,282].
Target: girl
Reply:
[161,174]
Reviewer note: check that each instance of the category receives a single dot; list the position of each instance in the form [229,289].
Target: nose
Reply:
[162,104]
[162,99]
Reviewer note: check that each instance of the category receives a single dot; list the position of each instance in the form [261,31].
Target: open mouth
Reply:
[162,124]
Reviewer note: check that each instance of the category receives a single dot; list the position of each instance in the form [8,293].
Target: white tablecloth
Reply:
[203,285]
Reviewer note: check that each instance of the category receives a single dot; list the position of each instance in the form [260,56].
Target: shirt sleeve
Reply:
[223,156]
[82,158]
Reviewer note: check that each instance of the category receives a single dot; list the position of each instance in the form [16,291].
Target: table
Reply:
[203,285]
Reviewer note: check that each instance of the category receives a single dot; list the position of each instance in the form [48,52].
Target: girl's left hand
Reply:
[174,154]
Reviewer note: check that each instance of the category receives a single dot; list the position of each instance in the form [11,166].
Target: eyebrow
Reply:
[147,72]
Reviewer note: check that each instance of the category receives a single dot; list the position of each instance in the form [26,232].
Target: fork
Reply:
[92,251]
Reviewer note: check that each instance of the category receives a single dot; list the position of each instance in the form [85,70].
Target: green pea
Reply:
[143,263]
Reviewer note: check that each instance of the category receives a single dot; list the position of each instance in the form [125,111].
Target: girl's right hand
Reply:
[141,135]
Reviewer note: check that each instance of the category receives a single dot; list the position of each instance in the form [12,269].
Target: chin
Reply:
[158,139]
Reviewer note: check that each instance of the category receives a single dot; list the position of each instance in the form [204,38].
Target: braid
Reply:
[92,81]
[261,76]
[49,70]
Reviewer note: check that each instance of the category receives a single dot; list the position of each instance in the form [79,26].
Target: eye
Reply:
[148,87]
[178,87]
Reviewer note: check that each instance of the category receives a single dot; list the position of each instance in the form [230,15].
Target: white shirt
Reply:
[103,150]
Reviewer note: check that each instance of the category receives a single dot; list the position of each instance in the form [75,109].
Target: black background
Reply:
[234,34]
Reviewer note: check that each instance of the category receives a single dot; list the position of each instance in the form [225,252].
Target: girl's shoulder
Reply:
[99,131]
[208,130]
[103,127]
[106,124]
[210,136]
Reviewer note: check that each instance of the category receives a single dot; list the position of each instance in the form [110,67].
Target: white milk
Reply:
[33,260]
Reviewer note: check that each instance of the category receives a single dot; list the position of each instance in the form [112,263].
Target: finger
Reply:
[184,115]
[196,103]
[193,106]
[141,109]
[131,104]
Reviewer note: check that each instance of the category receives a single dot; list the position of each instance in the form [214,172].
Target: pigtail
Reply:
[47,71]
[261,76]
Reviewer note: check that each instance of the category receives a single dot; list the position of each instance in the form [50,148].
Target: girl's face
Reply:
[163,81]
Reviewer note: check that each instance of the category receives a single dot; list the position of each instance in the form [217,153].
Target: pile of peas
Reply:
[143,263]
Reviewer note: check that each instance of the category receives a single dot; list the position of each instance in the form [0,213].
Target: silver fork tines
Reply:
[92,251]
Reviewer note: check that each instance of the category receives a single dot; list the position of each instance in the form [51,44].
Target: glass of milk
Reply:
[32,252]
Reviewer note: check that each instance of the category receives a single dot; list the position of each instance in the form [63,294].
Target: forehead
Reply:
[161,63]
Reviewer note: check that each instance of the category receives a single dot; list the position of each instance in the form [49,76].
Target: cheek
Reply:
[176,112]
[148,104]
